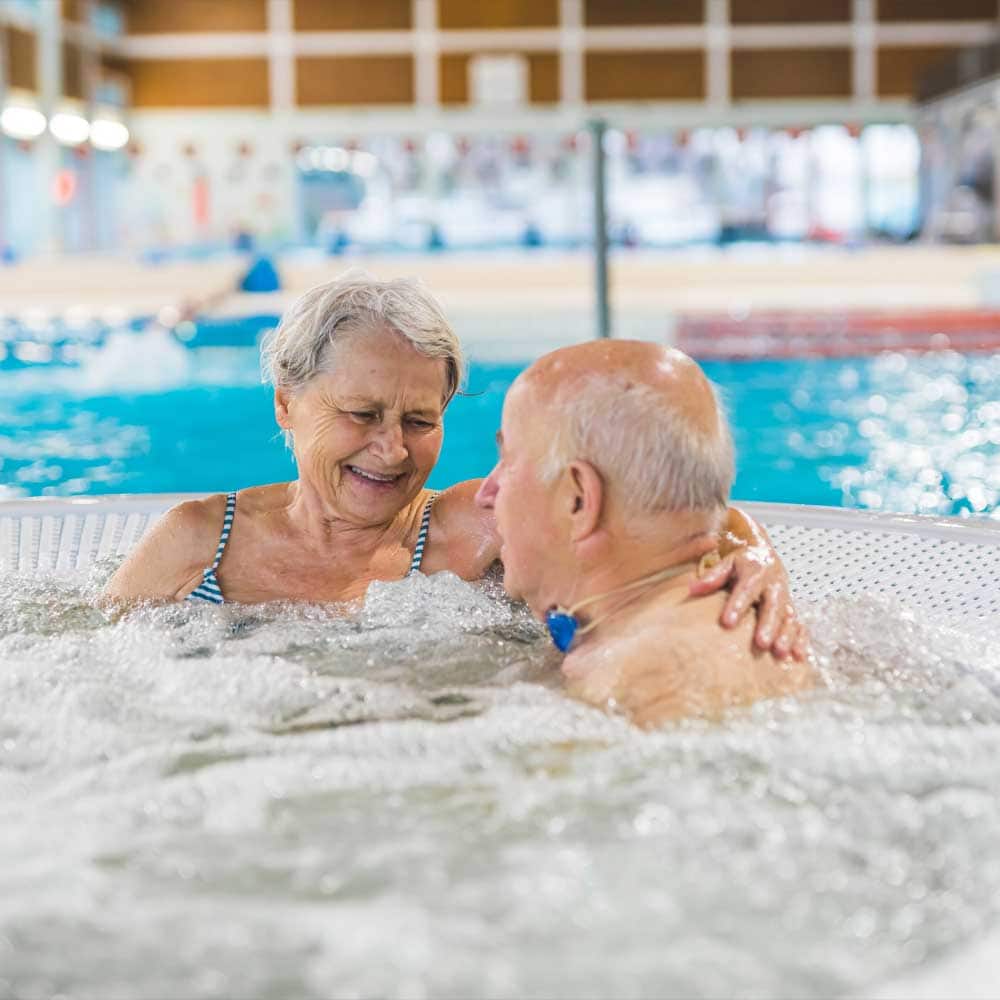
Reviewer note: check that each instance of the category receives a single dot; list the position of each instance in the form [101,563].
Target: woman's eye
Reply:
[422,424]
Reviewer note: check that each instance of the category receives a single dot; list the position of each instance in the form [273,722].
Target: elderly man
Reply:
[610,493]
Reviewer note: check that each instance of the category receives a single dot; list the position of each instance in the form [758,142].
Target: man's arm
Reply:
[463,535]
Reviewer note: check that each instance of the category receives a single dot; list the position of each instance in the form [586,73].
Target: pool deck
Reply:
[540,296]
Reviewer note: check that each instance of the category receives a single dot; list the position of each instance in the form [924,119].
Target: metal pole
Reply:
[603,318]
[4,143]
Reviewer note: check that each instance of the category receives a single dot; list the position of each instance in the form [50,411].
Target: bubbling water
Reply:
[394,798]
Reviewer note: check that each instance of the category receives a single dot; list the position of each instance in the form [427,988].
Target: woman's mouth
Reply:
[373,480]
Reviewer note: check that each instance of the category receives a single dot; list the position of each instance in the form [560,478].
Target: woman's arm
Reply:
[463,536]
[751,564]
[168,561]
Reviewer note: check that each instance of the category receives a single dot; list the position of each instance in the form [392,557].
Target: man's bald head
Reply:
[644,415]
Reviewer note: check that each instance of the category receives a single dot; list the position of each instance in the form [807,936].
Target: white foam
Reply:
[397,798]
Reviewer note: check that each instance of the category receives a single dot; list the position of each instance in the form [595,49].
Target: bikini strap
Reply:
[425,524]
[227,527]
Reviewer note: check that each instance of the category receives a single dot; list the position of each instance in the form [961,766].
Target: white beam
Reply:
[718,84]
[197,45]
[789,36]
[425,66]
[86,37]
[864,63]
[359,43]
[571,59]
[280,55]
[936,33]
[529,119]
[715,35]
[649,37]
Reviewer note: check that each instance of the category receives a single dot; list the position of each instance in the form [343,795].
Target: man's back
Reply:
[670,659]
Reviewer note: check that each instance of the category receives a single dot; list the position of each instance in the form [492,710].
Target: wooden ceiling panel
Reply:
[72,71]
[613,13]
[762,74]
[352,15]
[498,14]
[934,10]
[645,76]
[324,80]
[199,83]
[21,59]
[543,77]
[899,69]
[148,17]
[788,11]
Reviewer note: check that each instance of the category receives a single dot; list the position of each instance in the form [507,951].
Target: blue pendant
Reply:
[562,627]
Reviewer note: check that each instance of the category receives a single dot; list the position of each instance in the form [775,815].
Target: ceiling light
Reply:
[21,122]
[108,134]
[69,129]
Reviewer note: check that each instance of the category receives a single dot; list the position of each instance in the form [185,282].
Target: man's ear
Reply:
[281,400]
[586,496]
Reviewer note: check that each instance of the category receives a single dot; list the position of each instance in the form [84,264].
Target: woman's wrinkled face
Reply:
[367,435]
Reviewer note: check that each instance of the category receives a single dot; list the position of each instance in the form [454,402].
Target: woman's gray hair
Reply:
[300,347]
[651,453]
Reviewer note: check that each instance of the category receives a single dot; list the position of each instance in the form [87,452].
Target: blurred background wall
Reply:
[437,124]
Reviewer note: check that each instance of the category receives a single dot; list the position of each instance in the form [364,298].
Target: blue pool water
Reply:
[89,412]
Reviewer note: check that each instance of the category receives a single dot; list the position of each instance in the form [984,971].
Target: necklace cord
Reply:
[660,576]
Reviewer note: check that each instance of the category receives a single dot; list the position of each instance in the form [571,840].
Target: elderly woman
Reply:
[362,373]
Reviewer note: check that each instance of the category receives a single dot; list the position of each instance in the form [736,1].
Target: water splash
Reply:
[394,798]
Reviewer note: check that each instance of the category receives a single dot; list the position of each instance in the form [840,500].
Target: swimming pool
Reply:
[91,412]
[395,799]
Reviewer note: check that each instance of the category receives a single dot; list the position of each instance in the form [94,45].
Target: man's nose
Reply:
[487,492]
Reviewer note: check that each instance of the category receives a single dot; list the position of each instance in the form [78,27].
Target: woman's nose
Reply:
[487,492]
[389,444]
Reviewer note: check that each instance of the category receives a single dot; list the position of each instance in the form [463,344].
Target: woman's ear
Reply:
[281,400]
[586,497]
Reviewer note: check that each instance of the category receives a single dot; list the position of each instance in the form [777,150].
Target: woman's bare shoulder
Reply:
[169,555]
[456,511]
[466,531]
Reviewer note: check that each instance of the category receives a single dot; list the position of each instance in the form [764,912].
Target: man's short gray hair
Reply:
[301,345]
[650,453]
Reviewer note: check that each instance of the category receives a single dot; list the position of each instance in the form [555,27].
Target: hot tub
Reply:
[396,799]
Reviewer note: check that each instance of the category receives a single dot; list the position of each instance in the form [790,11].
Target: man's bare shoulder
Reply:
[695,668]
[171,553]
[462,533]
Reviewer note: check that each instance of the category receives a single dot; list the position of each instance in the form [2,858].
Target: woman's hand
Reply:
[751,565]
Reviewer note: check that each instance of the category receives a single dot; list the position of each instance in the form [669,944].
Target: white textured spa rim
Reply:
[947,569]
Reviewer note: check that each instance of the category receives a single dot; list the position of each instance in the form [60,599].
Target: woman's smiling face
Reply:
[367,434]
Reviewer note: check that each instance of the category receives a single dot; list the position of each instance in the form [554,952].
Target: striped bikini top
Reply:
[209,589]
